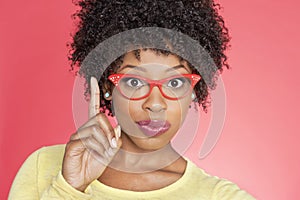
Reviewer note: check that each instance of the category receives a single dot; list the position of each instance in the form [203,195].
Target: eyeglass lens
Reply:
[133,87]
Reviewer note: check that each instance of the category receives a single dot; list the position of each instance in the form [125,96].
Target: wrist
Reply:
[74,183]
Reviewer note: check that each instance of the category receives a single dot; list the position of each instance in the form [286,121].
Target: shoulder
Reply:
[50,156]
[45,162]
[53,153]
[198,178]
[213,186]
[43,155]
[49,164]
[37,172]
[49,151]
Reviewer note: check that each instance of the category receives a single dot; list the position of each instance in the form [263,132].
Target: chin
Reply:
[149,144]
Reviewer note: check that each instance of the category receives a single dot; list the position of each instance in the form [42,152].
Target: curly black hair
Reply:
[98,20]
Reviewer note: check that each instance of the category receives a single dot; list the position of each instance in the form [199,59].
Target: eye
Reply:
[134,82]
[176,82]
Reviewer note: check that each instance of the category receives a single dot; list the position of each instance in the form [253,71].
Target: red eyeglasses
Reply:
[136,87]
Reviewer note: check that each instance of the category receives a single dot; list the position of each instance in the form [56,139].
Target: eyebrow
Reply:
[134,67]
[144,70]
[177,67]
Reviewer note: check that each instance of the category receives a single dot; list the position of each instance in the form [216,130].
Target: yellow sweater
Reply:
[40,178]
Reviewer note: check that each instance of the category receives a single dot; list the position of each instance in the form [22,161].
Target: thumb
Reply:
[117,131]
[116,140]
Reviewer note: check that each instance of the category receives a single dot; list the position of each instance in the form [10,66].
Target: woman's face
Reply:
[151,122]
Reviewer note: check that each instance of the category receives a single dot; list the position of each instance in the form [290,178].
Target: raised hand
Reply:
[92,147]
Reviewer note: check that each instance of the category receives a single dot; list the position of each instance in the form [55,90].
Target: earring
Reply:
[193,96]
[106,95]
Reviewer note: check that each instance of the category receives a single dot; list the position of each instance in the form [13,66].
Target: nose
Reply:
[155,102]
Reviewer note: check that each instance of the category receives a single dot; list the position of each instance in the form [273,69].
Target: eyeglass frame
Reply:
[115,78]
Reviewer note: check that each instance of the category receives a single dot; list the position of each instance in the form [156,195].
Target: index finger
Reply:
[94,104]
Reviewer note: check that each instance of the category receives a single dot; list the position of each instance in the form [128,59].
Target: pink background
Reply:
[258,148]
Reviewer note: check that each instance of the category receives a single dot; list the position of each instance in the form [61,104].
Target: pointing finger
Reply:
[94,104]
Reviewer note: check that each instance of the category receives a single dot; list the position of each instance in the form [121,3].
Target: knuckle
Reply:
[86,141]
[111,131]
[99,116]
[95,128]
[74,135]
[106,159]
[70,145]
[96,107]
[106,144]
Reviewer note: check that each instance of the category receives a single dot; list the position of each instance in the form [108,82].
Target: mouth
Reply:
[153,127]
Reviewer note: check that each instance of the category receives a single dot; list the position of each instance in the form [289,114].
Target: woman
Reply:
[149,89]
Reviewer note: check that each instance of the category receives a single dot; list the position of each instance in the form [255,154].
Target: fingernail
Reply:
[117,131]
[114,143]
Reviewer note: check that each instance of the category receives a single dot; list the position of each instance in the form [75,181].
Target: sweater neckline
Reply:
[111,191]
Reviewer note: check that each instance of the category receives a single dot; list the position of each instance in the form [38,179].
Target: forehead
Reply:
[150,61]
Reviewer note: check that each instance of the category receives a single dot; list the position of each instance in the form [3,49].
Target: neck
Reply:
[132,159]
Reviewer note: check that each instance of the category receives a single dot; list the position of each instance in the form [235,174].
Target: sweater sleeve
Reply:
[227,190]
[60,189]
[29,181]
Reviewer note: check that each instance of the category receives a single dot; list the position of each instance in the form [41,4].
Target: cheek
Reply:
[126,114]
[135,110]
[124,108]
[185,108]
[178,110]
[121,109]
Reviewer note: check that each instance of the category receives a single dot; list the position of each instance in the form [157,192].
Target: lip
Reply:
[153,127]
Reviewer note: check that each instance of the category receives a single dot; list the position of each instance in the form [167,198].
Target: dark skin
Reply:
[91,149]
[143,181]
[97,144]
